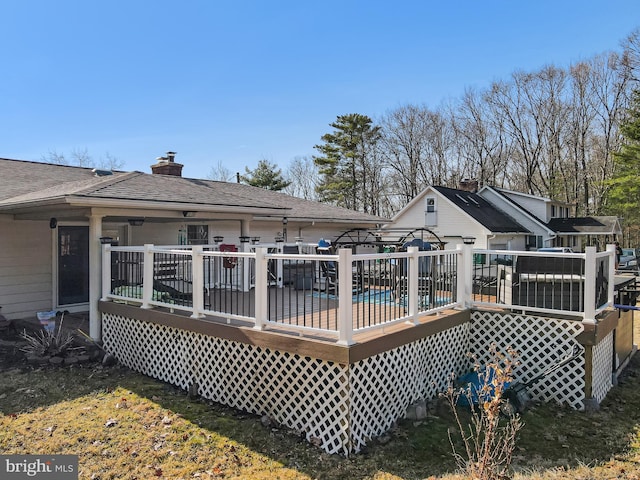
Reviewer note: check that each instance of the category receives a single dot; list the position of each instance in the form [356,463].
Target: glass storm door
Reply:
[73,265]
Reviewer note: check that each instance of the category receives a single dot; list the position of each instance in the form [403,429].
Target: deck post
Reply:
[412,285]
[590,285]
[197,270]
[611,249]
[465,275]
[345,294]
[261,287]
[106,271]
[147,276]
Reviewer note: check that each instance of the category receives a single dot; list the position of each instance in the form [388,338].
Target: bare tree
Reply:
[403,144]
[303,175]
[631,54]
[518,110]
[109,162]
[221,173]
[82,158]
[581,115]
[610,91]
[480,141]
[52,156]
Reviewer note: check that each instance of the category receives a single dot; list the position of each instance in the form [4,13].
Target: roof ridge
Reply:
[107,181]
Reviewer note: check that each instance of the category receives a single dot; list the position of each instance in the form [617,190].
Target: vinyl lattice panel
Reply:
[383,386]
[305,394]
[602,368]
[340,407]
[539,343]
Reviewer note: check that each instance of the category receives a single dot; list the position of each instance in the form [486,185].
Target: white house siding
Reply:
[169,233]
[25,268]
[535,206]
[506,242]
[452,223]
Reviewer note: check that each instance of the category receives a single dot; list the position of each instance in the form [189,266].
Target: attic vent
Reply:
[473,200]
[101,173]
[462,198]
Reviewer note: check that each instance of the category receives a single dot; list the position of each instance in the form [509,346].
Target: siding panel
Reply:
[25,268]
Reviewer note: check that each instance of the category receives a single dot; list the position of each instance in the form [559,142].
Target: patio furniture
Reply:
[400,271]
[548,282]
[328,271]
[299,273]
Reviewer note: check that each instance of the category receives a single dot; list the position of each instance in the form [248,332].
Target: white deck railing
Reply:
[342,293]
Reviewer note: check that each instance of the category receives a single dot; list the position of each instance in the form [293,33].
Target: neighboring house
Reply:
[550,221]
[450,214]
[52,218]
[501,219]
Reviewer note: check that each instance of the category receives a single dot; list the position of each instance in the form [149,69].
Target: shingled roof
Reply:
[33,183]
[585,225]
[482,211]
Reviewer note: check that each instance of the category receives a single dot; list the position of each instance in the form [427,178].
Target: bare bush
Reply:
[488,437]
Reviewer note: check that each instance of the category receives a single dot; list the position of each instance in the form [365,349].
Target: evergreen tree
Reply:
[266,175]
[345,161]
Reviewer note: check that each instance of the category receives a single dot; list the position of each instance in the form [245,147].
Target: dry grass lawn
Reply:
[123,425]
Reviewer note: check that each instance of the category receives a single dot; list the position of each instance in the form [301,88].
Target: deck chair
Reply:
[328,270]
[399,289]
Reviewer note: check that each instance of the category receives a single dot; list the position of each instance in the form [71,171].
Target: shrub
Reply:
[47,343]
[489,438]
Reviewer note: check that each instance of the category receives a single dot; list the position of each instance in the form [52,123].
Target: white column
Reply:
[95,276]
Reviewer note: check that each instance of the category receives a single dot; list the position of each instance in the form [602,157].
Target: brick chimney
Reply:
[469,185]
[167,166]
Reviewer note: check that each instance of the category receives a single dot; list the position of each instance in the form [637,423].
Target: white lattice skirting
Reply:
[602,362]
[341,407]
[540,343]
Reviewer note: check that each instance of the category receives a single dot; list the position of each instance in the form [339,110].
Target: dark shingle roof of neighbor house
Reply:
[25,182]
[482,211]
[593,225]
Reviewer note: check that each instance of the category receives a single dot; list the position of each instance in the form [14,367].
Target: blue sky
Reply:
[239,81]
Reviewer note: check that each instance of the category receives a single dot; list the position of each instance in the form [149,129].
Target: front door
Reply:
[73,265]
